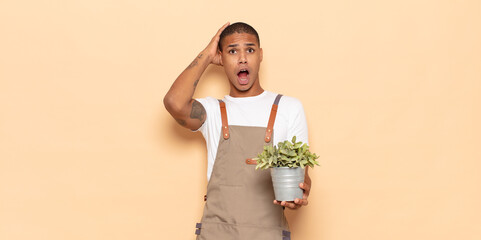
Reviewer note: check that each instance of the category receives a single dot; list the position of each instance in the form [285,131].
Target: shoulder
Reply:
[285,100]
[290,102]
[291,108]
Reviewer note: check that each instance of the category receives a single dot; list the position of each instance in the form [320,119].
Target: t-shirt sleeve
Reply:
[210,129]
[206,105]
[298,123]
[211,106]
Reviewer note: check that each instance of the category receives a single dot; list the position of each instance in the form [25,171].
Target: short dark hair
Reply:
[238,27]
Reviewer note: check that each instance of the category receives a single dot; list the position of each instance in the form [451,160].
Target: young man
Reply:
[240,200]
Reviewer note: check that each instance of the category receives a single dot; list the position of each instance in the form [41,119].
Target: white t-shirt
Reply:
[252,111]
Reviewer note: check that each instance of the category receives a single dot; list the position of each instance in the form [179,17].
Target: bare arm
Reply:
[178,101]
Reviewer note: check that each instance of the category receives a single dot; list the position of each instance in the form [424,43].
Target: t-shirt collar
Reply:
[238,99]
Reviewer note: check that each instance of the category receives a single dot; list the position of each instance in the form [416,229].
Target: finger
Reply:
[307,179]
[288,204]
[305,196]
[302,202]
[216,38]
[277,202]
[306,187]
[221,29]
[291,205]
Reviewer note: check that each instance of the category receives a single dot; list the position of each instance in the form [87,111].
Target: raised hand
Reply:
[212,49]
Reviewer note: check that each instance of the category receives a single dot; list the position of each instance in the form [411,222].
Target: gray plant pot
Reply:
[286,183]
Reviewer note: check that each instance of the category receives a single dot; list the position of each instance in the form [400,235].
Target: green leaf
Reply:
[283,151]
[286,154]
[292,153]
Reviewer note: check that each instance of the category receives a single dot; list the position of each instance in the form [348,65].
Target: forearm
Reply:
[178,100]
[182,90]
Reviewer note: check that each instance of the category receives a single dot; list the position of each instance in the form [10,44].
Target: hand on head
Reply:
[212,48]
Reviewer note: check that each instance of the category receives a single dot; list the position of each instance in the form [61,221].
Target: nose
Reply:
[242,58]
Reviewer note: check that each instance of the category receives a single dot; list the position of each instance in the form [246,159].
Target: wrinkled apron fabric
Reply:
[239,198]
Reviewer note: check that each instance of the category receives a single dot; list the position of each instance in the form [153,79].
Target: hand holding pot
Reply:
[306,187]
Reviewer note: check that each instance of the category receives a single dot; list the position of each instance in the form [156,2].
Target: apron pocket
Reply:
[233,201]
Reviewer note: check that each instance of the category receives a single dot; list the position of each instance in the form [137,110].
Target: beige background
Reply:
[391,89]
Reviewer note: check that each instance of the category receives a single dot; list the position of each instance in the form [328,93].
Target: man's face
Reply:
[241,58]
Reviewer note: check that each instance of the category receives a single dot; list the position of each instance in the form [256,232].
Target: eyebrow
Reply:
[236,45]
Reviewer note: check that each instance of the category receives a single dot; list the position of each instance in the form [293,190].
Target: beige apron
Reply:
[239,198]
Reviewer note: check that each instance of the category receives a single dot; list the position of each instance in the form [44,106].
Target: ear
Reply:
[261,53]
[220,57]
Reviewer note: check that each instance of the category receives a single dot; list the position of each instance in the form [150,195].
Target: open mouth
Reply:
[243,76]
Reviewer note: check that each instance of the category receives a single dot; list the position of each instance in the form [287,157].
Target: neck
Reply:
[255,90]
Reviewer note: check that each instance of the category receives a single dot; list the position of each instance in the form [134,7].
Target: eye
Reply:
[250,50]
[232,51]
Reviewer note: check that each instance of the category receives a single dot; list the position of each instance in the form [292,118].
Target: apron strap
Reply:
[223,114]
[272,119]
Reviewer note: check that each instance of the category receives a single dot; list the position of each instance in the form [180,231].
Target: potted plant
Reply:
[287,161]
